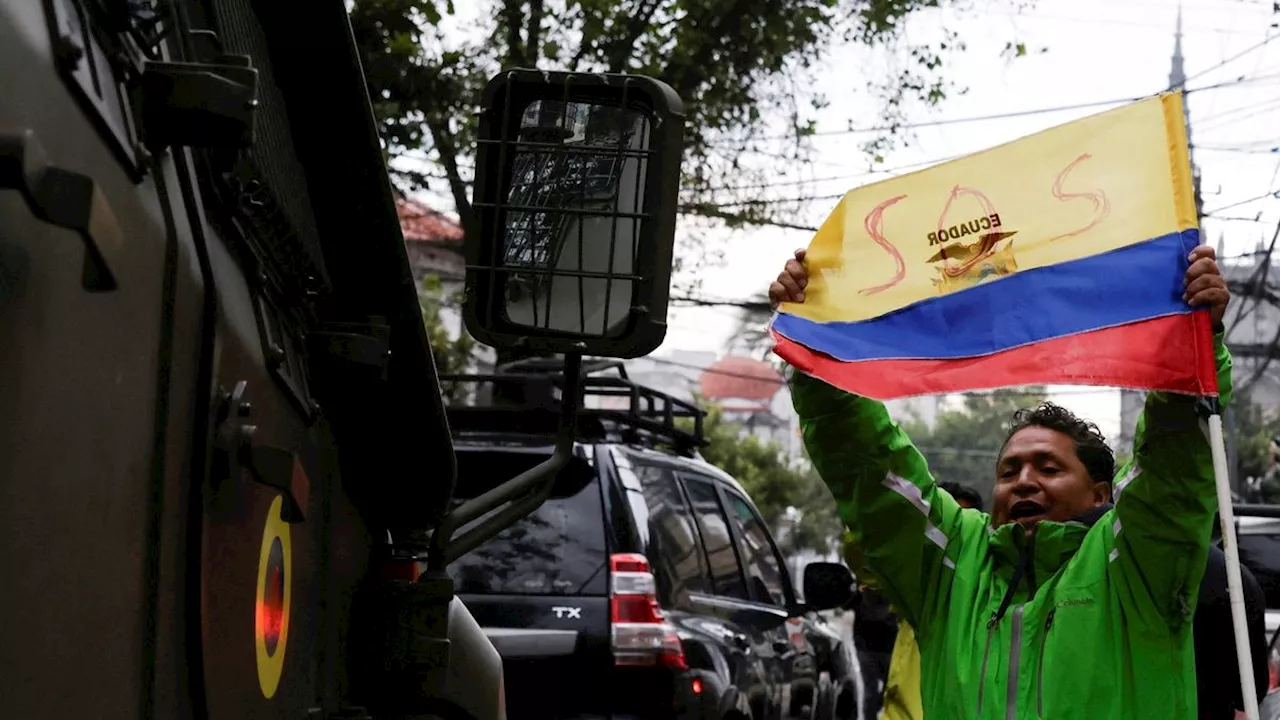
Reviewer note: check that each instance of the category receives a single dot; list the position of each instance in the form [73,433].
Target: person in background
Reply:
[875,628]
[902,691]
[1217,671]
[1267,490]
[965,495]
[886,647]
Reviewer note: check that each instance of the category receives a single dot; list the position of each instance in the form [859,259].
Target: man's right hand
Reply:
[791,282]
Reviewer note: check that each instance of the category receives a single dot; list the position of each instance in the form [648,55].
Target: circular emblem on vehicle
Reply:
[271,604]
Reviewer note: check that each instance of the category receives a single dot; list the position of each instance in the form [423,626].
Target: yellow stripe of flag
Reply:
[1087,187]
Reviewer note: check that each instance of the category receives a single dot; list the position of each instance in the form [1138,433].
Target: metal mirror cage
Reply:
[575,197]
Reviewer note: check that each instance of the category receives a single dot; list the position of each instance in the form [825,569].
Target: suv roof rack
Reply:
[647,417]
[555,366]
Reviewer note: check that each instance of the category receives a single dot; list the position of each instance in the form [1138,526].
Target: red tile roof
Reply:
[420,223]
[742,378]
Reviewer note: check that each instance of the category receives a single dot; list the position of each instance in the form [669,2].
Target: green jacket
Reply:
[1099,623]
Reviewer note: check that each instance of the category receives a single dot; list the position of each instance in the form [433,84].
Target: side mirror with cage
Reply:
[577,177]
[576,187]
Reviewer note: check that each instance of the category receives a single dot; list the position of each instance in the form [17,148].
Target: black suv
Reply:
[647,584]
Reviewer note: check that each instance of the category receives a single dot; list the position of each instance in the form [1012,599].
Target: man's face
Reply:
[1040,477]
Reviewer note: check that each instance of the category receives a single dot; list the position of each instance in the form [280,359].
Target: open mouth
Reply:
[1026,510]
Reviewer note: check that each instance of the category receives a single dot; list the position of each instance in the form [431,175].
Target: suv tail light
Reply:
[641,633]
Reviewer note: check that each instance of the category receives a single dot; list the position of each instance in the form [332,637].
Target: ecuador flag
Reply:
[1056,258]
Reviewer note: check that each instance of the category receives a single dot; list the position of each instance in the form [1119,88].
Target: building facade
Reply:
[433,242]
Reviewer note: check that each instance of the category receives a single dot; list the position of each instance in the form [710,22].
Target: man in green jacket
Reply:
[1058,604]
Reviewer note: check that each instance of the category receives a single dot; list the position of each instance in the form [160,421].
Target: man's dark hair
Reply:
[963,493]
[1091,446]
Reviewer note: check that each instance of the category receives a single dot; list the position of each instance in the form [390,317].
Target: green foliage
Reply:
[423,86]
[1254,429]
[744,68]
[774,484]
[964,444]
[452,355]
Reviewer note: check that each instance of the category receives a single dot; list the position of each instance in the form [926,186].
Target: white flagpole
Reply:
[1235,587]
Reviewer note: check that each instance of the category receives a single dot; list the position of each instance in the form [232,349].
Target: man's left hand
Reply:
[1205,286]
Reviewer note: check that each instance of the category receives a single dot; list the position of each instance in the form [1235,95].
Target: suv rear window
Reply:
[557,550]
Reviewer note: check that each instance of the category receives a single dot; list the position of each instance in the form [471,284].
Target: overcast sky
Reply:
[1097,50]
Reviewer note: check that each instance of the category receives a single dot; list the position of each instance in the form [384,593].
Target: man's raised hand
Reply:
[1205,286]
[791,282]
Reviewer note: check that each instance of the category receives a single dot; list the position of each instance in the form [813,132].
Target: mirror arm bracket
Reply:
[534,485]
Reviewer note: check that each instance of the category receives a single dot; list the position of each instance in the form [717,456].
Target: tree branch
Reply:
[448,151]
[533,36]
[579,56]
[694,72]
[515,21]
[621,48]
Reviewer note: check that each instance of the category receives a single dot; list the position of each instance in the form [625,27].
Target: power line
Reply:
[1272,194]
[718,210]
[1034,111]
[837,196]
[771,201]
[1154,27]
[906,126]
[1264,150]
[713,211]
[1231,59]
[832,178]
[1259,150]
[706,302]
[1236,218]
[924,163]
[703,208]
[1233,116]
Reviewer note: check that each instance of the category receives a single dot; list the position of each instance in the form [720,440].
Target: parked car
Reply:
[647,584]
[841,686]
[1258,531]
[1258,536]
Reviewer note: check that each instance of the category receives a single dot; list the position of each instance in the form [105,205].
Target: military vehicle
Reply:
[226,472]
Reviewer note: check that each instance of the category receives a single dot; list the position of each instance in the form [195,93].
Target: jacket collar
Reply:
[1053,545]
